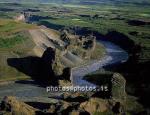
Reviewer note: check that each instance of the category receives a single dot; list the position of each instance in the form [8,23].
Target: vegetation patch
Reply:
[11,41]
[14,43]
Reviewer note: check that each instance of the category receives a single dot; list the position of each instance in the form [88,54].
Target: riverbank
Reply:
[115,55]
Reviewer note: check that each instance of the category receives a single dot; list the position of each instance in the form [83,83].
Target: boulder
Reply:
[64,83]
[13,106]
[95,105]
[52,109]
[65,105]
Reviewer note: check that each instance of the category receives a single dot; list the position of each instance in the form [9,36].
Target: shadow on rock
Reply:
[137,76]
[39,105]
[39,69]
[51,25]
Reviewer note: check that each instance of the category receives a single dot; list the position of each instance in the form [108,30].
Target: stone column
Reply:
[118,86]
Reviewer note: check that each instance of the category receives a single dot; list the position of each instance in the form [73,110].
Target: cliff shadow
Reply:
[39,69]
[51,25]
[39,105]
[138,22]
[101,81]
[137,76]
[36,18]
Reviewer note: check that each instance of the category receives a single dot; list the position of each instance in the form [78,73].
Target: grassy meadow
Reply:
[14,43]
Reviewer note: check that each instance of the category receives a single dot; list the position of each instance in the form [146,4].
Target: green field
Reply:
[101,18]
[14,43]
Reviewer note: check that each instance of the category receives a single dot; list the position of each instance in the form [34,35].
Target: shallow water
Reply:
[115,55]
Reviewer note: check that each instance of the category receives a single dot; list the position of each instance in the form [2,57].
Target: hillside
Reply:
[14,43]
[20,41]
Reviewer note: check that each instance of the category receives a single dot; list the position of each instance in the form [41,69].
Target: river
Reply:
[115,55]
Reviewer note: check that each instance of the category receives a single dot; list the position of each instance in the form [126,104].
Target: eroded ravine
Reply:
[31,92]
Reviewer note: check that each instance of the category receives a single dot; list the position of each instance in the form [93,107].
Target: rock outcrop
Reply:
[15,107]
[24,17]
[114,85]
[118,86]
[21,17]
[95,105]
[82,46]
[47,62]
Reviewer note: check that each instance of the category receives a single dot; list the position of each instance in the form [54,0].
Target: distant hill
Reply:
[138,2]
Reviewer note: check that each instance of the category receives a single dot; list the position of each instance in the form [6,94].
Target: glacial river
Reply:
[29,91]
[115,55]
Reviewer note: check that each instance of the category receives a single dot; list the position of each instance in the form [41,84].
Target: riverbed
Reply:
[114,55]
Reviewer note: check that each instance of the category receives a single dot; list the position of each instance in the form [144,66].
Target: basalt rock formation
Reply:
[115,85]
[81,46]
[118,86]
